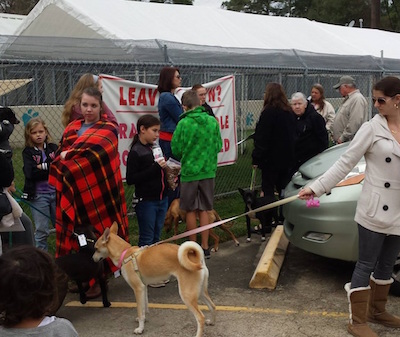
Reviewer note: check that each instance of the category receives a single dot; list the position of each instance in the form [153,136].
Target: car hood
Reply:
[319,164]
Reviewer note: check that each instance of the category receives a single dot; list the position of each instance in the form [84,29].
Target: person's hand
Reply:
[306,193]
[161,161]
[63,154]
[11,188]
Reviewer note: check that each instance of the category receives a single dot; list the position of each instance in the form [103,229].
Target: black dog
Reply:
[81,268]
[7,121]
[8,114]
[265,217]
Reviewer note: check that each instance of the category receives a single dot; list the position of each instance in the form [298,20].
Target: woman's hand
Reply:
[161,161]
[306,193]
[63,154]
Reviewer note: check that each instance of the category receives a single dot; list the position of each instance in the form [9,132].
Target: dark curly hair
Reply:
[27,284]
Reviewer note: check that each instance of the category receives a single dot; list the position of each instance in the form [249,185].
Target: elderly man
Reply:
[352,113]
[311,135]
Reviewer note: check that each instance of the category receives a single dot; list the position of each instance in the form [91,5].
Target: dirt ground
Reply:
[309,301]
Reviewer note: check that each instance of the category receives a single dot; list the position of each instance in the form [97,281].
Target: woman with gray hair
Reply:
[311,135]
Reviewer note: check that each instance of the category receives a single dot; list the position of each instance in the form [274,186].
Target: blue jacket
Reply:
[169,110]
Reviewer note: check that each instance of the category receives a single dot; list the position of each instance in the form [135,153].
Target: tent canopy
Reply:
[153,32]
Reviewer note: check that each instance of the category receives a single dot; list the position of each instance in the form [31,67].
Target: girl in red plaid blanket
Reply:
[87,177]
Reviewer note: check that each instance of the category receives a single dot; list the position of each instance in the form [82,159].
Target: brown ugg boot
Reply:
[358,304]
[377,303]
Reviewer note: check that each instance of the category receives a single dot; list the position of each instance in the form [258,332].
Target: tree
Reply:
[339,12]
[22,7]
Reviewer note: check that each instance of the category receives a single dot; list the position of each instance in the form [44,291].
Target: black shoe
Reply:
[207,253]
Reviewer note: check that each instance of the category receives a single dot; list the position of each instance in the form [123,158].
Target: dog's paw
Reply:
[107,304]
[248,240]
[209,322]
[214,250]
[237,243]
[263,238]
[138,331]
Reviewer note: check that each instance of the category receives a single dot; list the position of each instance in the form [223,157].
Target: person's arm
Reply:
[174,108]
[356,150]
[110,116]
[33,170]
[177,142]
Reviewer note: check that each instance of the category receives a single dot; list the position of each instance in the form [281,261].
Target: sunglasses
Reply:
[381,100]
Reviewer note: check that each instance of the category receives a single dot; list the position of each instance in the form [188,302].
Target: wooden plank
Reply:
[268,268]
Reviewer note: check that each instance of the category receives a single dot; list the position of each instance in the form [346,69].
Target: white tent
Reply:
[9,23]
[152,32]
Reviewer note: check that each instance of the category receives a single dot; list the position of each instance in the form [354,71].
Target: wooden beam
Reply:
[268,268]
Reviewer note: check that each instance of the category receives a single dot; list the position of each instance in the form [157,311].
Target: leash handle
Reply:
[253,179]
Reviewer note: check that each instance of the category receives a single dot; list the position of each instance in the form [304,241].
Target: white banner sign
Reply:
[130,100]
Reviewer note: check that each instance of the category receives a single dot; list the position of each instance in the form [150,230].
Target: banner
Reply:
[130,100]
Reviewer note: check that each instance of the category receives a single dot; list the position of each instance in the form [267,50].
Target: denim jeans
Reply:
[43,209]
[150,215]
[377,253]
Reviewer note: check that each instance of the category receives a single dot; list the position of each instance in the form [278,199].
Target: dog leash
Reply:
[253,179]
[219,223]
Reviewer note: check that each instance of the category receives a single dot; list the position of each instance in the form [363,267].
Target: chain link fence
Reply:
[49,83]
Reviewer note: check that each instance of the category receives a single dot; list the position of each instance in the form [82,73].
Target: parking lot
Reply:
[309,301]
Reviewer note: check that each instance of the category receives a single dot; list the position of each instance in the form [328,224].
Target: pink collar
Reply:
[121,259]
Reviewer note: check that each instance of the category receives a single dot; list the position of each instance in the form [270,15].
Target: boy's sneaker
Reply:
[159,285]
[207,253]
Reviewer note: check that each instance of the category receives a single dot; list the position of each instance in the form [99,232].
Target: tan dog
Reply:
[153,264]
[175,214]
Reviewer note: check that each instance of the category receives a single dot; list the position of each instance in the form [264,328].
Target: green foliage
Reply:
[339,12]
[22,7]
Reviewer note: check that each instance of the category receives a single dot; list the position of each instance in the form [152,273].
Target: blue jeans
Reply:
[43,209]
[150,215]
[377,253]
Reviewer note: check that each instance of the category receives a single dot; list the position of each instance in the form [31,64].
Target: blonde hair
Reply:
[85,81]
[33,123]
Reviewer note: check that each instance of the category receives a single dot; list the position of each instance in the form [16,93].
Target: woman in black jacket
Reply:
[311,133]
[274,141]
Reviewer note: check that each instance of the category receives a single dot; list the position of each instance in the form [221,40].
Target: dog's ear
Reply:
[114,228]
[106,235]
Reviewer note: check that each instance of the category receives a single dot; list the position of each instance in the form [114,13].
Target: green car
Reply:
[328,230]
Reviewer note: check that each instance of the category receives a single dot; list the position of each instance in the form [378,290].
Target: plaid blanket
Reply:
[88,184]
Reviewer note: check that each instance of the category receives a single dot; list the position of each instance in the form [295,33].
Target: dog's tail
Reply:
[191,256]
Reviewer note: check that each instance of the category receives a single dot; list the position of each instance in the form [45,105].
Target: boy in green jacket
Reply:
[196,143]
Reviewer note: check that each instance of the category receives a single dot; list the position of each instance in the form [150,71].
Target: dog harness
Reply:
[132,258]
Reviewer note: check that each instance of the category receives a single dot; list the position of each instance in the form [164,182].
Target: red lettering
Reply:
[122,100]
[131,96]
[224,122]
[211,95]
[152,96]
[124,157]
[226,145]
[142,97]
[133,131]
[122,130]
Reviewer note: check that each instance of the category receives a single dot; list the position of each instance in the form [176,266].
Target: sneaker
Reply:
[159,285]
[207,253]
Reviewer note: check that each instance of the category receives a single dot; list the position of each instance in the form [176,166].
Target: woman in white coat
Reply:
[377,212]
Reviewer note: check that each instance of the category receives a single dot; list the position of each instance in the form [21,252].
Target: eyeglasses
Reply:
[381,100]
